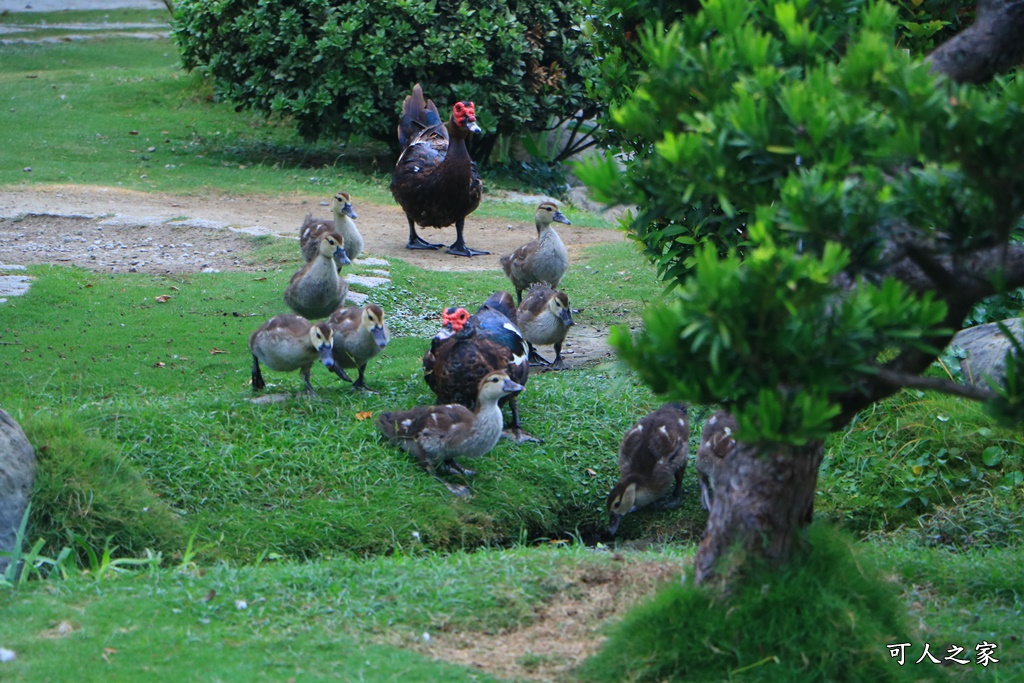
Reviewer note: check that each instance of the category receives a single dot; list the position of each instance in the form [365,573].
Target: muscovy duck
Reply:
[436,435]
[469,347]
[313,229]
[289,342]
[359,335]
[716,440]
[545,318]
[435,180]
[544,259]
[652,459]
[316,290]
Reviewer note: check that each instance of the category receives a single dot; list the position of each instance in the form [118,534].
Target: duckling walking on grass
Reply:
[359,335]
[544,259]
[313,229]
[436,435]
[652,459]
[316,290]
[289,342]
[545,318]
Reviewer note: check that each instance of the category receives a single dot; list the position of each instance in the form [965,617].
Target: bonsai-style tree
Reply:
[827,208]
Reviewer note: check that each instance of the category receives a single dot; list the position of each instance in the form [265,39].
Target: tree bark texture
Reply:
[762,499]
[993,44]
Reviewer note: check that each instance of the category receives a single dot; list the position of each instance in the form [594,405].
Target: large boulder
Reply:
[17,472]
[986,348]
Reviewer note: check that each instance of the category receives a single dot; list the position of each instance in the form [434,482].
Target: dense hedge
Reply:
[343,68]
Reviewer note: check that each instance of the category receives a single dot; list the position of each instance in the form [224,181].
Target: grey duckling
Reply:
[716,440]
[316,290]
[359,335]
[545,318]
[544,259]
[289,342]
[313,229]
[436,435]
[652,459]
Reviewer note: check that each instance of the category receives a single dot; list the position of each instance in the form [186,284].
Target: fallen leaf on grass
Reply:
[259,279]
[163,298]
[214,351]
[174,289]
[108,651]
[210,596]
[159,364]
[591,472]
[364,415]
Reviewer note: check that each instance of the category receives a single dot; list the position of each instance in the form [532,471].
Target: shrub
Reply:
[344,68]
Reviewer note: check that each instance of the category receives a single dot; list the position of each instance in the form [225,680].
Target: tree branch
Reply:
[993,44]
[905,381]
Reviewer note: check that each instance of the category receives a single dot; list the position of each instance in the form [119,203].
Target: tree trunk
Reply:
[763,497]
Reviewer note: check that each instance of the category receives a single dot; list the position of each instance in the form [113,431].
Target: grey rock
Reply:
[17,473]
[986,348]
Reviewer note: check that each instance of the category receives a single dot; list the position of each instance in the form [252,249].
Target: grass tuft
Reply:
[827,617]
[90,497]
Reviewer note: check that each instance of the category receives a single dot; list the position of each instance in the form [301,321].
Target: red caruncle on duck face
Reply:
[456,317]
[465,112]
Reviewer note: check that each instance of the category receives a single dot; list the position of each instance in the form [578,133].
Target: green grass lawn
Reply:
[341,547]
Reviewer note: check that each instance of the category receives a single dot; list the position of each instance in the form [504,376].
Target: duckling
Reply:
[313,229]
[289,342]
[544,259]
[545,318]
[652,458]
[436,435]
[470,346]
[359,335]
[316,290]
[716,440]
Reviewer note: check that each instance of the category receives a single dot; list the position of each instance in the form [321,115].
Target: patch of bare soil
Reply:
[564,631]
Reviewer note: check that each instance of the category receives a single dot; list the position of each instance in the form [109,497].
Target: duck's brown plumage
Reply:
[316,289]
[716,440]
[359,335]
[544,259]
[289,342]
[435,180]
[436,435]
[652,459]
[470,347]
[544,317]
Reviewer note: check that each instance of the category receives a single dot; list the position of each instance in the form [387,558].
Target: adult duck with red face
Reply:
[435,180]
[469,347]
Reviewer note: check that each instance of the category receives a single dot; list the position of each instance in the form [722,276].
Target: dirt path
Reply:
[35,228]
[113,230]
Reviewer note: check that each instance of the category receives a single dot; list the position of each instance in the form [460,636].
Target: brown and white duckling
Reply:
[316,290]
[468,347]
[313,229]
[544,318]
[359,335]
[652,459]
[289,342]
[544,259]
[716,440]
[436,435]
